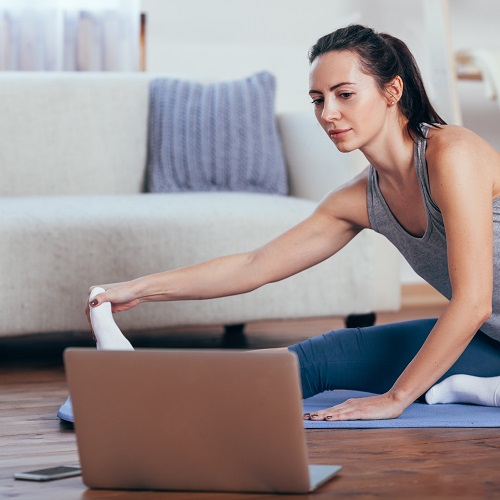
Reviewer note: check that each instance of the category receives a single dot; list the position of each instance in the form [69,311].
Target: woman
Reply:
[429,188]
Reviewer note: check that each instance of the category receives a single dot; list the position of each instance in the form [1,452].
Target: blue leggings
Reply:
[371,359]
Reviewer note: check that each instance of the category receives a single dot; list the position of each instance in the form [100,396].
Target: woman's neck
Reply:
[391,154]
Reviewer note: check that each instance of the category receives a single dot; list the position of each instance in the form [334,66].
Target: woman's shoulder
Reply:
[453,142]
[455,154]
[348,202]
[440,136]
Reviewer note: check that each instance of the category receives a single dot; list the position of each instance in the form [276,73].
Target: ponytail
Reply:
[385,57]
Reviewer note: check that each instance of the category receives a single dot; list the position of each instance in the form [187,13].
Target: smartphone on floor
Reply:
[60,472]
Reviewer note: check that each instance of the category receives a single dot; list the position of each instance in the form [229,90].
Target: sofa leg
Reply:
[234,336]
[360,320]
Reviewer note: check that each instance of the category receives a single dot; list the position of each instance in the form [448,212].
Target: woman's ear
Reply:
[394,90]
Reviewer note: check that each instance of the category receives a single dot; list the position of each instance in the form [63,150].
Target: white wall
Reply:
[225,39]
[474,24]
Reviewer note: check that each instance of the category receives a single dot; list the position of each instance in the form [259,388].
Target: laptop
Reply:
[191,420]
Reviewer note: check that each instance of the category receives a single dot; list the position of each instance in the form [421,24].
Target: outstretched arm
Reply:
[461,172]
[337,219]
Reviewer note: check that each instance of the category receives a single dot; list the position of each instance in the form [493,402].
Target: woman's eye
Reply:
[346,95]
[317,102]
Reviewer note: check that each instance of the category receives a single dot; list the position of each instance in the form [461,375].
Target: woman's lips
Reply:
[338,132]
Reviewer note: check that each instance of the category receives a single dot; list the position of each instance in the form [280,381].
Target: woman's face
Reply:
[347,102]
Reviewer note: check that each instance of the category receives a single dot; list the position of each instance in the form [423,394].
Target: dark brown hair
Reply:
[384,57]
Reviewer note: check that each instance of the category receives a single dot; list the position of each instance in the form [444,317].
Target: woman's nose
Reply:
[331,113]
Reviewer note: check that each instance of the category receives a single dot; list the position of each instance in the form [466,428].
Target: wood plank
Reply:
[412,463]
[377,463]
[421,295]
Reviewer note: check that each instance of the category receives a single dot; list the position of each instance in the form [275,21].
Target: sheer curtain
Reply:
[69,35]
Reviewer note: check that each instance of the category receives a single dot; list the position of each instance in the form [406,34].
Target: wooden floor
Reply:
[380,463]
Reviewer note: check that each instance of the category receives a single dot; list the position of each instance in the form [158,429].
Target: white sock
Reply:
[483,391]
[106,331]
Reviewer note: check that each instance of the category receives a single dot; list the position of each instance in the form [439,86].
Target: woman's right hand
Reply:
[122,297]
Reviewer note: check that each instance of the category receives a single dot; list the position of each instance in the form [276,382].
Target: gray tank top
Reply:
[427,255]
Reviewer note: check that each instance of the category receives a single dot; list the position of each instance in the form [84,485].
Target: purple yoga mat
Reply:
[416,415]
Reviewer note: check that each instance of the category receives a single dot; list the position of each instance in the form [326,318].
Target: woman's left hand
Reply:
[378,407]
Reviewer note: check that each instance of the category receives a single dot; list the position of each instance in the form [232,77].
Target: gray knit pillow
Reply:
[214,137]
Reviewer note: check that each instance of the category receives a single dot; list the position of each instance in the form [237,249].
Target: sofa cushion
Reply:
[53,248]
[214,137]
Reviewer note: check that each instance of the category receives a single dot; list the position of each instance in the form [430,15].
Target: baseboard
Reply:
[420,295]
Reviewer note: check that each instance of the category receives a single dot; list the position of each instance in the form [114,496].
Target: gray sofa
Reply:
[73,213]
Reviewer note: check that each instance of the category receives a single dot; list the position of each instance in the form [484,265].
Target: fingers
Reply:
[316,416]
[119,295]
[342,411]
[366,408]
[94,296]
[92,301]
[328,414]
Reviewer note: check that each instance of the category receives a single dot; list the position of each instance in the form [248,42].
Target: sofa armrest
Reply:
[315,166]
[66,133]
